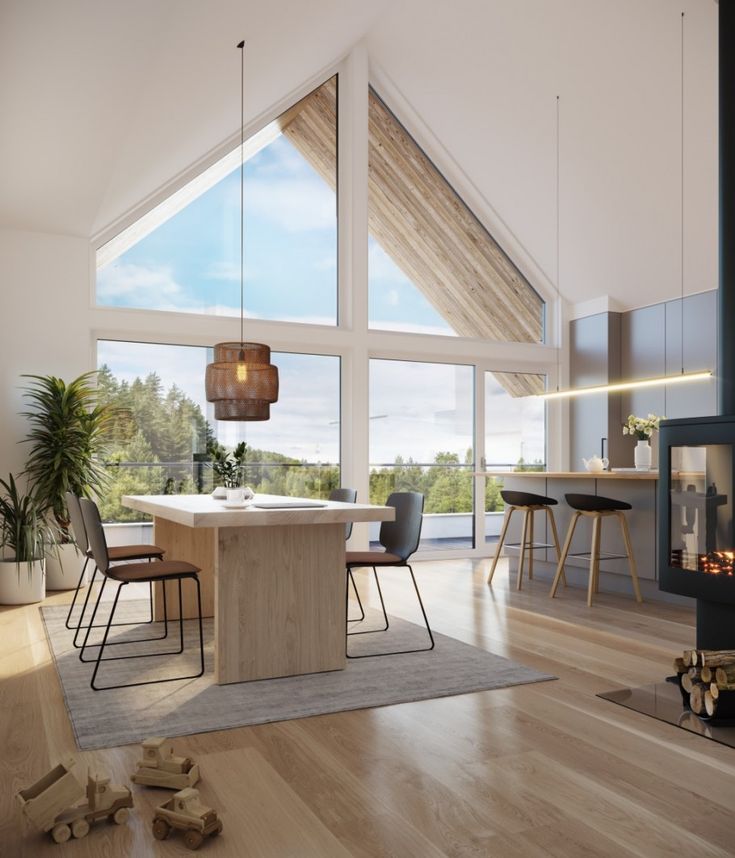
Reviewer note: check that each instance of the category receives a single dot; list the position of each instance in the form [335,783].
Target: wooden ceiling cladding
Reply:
[426,229]
[521,383]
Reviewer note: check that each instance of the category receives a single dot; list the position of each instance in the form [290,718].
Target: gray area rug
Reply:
[103,719]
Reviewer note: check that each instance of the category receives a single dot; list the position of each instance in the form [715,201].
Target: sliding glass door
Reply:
[514,435]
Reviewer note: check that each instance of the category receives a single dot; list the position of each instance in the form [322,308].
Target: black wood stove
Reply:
[696,536]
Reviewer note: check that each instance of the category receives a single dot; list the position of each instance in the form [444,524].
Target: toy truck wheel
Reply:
[80,828]
[61,833]
[121,815]
[193,839]
[218,829]
[161,828]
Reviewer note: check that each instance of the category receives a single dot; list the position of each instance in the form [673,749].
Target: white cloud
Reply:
[139,285]
[393,298]
[412,328]
[222,270]
[327,263]
[382,267]
[296,205]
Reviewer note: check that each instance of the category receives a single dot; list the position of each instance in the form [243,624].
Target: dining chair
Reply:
[399,540]
[117,553]
[162,571]
[349,496]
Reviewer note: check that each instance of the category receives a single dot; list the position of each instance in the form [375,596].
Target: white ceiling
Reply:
[102,102]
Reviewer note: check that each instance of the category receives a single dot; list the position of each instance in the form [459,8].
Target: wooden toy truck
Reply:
[160,768]
[50,802]
[185,812]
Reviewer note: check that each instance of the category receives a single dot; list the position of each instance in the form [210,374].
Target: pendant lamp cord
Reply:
[682,194]
[558,293]
[241,46]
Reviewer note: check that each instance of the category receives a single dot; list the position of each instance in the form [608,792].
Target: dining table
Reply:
[272,577]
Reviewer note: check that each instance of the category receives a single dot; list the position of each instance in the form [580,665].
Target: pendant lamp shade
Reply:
[241,381]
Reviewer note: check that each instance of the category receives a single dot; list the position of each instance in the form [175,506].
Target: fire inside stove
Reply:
[701,511]
[716,562]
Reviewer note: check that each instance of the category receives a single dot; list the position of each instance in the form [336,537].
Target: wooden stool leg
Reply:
[530,544]
[503,532]
[524,538]
[594,557]
[555,535]
[631,558]
[564,553]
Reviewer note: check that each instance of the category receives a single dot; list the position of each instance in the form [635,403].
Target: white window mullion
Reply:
[353,275]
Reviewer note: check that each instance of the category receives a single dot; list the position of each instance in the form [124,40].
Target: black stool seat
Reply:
[526,499]
[595,503]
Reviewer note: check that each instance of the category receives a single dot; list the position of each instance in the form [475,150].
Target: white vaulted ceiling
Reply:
[103,102]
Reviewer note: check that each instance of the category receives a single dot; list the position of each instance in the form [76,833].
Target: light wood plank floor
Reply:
[535,770]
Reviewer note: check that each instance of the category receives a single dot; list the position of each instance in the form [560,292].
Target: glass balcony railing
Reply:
[313,480]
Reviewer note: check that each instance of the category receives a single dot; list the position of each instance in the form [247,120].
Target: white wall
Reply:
[44,322]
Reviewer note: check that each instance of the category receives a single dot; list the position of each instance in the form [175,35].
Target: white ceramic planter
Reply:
[21,586]
[63,567]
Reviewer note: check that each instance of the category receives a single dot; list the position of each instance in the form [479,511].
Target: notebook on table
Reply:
[296,504]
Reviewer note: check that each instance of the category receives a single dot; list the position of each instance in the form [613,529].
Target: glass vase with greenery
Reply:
[69,430]
[227,465]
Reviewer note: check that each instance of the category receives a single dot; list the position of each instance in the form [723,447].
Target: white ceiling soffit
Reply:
[483,75]
[104,102]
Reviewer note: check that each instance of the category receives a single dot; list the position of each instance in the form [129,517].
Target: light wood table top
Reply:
[206,511]
[574,475]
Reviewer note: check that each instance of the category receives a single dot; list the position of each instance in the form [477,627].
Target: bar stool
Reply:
[597,508]
[530,504]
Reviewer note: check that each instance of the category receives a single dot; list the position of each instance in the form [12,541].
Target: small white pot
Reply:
[21,586]
[63,567]
[642,456]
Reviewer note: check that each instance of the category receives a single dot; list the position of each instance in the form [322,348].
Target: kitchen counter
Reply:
[638,488]
[574,475]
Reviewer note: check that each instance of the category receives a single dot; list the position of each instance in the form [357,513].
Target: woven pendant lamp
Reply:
[242,382]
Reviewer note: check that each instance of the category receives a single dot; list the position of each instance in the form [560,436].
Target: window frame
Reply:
[351,339]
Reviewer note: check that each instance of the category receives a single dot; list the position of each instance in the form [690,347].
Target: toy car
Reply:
[50,802]
[185,812]
[160,768]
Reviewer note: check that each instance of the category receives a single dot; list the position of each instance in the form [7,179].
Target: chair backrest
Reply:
[402,536]
[95,534]
[78,529]
[344,496]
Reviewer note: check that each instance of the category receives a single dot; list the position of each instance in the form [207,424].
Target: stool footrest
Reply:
[529,545]
[587,555]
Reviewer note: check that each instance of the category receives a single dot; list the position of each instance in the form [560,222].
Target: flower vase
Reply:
[642,456]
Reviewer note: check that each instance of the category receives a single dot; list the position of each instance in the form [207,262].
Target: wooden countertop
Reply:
[205,511]
[575,475]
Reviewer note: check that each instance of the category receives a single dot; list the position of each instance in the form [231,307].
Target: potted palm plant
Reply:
[69,430]
[25,539]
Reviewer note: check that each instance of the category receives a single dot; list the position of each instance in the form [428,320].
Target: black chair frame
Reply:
[99,548]
[404,551]
[80,537]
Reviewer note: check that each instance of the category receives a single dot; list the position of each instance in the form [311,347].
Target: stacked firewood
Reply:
[708,677]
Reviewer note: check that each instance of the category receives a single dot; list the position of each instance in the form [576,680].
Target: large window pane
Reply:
[422,439]
[185,255]
[164,436]
[433,267]
[515,435]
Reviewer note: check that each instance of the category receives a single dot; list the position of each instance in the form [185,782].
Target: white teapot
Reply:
[595,464]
